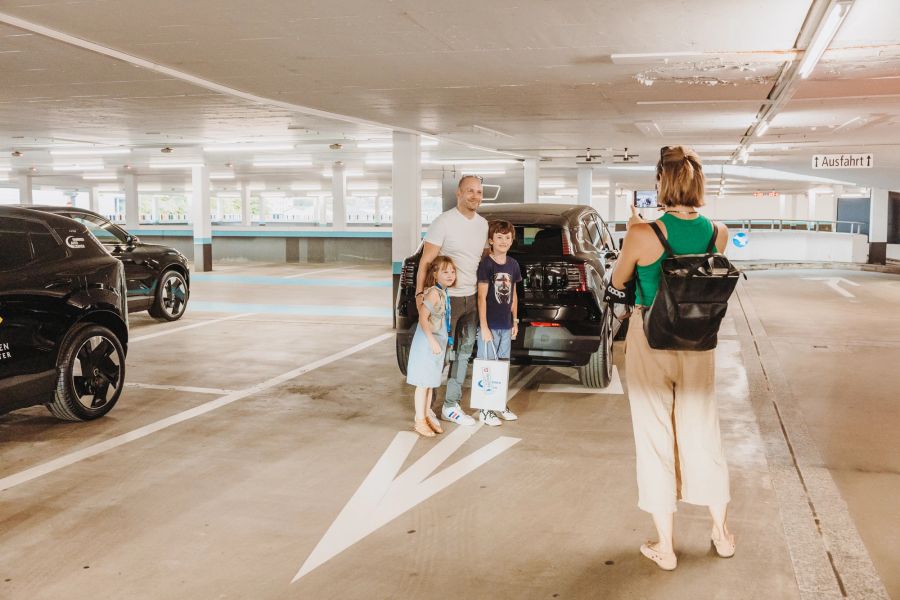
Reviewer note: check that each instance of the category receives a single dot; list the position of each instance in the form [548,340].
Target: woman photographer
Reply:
[672,392]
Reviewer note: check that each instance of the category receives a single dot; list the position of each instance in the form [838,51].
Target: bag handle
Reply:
[494,348]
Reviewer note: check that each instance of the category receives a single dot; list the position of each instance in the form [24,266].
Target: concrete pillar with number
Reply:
[202,221]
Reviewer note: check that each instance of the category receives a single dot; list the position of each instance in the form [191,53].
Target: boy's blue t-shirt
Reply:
[501,280]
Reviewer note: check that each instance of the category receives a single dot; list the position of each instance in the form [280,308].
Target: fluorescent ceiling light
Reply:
[248,147]
[762,128]
[476,161]
[100,177]
[823,38]
[91,167]
[484,173]
[90,152]
[5,169]
[222,175]
[282,163]
[633,168]
[175,165]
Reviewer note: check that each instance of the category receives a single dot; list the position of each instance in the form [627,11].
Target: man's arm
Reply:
[515,312]
[429,253]
[482,311]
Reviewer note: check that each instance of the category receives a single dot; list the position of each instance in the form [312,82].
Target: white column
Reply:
[154,209]
[338,193]
[585,181]
[26,188]
[201,218]
[611,203]
[377,217]
[878,216]
[811,205]
[406,228]
[93,198]
[322,210]
[246,217]
[132,204]
[532,176]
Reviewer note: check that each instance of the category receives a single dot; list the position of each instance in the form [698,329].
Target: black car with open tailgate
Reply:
[566,254]
[63,317]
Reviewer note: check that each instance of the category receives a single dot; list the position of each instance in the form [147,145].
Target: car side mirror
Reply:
[132,240]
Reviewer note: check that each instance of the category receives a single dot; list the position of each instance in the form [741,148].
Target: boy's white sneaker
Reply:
[455,414]
[506,414]
[489,418]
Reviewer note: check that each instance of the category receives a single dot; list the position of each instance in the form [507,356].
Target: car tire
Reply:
[402,355]
[91,367]
[597,373]
[171,297]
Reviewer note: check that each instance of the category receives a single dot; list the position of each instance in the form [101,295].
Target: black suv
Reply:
[63,317]
[566,254]
[158,277]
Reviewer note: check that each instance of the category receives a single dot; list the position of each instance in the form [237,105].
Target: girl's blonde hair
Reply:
[437,265]
[679,176]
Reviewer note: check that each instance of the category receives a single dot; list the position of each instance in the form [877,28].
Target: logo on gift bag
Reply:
[486,382]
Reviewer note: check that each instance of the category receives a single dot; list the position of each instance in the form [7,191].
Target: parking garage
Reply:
[296,156]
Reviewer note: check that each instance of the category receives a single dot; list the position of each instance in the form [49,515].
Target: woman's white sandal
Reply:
[724,547]
[666,562]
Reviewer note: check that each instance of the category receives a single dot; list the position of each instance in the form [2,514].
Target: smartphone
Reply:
[645,199]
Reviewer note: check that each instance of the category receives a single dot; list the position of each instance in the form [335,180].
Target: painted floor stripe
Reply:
[120,440]
[614,387]
[316,272]
[258,280]
[176,388]
[297,309]
[150,336]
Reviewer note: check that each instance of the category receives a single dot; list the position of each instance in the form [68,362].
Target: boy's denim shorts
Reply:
[502,342]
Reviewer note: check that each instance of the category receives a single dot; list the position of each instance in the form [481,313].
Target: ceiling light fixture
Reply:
[282,163]
[484,173]
[15,153]
[823,37]
[221,175]
[762,128]
[475,161]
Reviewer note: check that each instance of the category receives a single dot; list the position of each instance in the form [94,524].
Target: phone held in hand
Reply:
[645,199]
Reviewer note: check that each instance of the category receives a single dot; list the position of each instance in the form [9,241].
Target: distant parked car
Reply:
[63,317]
[566,254]
[157,277]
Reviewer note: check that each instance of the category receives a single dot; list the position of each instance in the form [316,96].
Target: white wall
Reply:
[893,251]
[796,207]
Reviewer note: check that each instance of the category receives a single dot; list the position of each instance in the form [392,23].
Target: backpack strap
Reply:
[711,247]
[662,238]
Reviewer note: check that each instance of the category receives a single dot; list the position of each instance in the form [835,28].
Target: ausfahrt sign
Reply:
[843,161]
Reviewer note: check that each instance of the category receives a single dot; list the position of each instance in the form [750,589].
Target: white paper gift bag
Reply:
[490,381]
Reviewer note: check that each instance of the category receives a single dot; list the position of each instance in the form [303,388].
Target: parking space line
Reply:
[186,327]
[99,448]
[315,272]
[176,388]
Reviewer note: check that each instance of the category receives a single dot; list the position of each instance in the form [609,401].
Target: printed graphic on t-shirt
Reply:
[503,288]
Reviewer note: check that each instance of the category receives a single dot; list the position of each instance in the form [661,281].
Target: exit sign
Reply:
[761,194]
[843,161]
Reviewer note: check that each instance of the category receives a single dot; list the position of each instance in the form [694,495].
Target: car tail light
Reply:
[543,324]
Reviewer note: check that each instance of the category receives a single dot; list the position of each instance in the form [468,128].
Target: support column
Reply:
[611,202]
[321,211]
[132,204]
[811,206]
[782,210]
[406,228]
[246,217]
[201,218]
[878,226]
[377,217]
[338,194]
[585,182]
[93,198]
[532,177]
[26,187]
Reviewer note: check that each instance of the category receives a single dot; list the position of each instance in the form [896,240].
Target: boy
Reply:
[497,304]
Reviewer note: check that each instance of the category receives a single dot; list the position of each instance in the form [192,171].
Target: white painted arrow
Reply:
[834,283]
[384,496]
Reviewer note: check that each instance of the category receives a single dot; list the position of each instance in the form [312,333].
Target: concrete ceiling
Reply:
[537,78]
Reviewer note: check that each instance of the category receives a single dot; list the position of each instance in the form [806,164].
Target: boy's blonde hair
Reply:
[437,265]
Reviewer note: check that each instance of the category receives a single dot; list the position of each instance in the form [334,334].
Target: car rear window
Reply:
[538,240]
[44,242]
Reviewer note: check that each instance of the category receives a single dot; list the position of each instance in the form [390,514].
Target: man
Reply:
[459,233]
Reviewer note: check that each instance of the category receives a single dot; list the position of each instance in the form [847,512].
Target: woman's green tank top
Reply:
[685,236]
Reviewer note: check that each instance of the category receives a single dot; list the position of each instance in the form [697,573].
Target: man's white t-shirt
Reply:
[463,240]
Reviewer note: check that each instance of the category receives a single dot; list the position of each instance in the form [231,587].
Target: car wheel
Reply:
[91,367]
[402,355]
[171,297]
[598,372]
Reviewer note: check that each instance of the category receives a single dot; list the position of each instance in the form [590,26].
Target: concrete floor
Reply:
[248,426]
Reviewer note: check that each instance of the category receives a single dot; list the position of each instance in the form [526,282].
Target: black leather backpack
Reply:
[692,298]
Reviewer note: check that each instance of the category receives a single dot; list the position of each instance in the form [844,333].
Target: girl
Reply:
[426,353]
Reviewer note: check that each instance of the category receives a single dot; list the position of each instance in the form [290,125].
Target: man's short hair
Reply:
[462,180]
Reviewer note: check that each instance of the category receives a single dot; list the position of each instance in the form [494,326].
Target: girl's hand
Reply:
[635,217]
[486,334]
[515,330]
[435,347]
